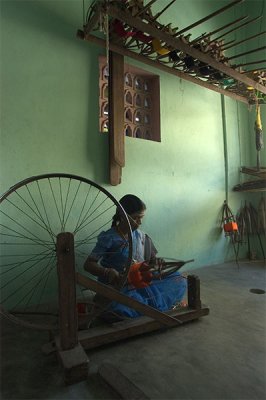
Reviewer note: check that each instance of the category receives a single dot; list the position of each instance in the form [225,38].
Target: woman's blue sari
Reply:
[111,251]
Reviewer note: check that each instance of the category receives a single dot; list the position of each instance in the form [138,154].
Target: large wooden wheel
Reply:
[32,215]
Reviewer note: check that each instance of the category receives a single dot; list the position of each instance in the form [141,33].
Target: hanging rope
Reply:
[225,147]
[258,125]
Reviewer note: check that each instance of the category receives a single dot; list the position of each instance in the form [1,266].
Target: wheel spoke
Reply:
[34,238]
[36,241]
[34,257]
[27,215]
[82,209]
[40,214]
[85,223]
[73,201]
[87,212]
[12,279]
[56,205]
[43,279]
[92,235]
[20,302]
[44,208]
[37,214]
[66,200]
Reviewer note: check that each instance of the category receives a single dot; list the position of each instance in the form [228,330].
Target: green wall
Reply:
[49,112]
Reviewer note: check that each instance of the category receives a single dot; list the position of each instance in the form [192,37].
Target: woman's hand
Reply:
[112,275]
[109,274]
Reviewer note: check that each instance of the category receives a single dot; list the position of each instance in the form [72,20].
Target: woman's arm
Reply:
[110,274]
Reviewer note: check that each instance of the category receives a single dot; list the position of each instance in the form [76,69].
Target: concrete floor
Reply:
[220,357]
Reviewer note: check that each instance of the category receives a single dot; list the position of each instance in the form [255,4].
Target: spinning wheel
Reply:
[32,214]
[49,225]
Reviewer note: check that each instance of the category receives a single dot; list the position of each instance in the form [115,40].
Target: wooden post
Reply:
[70,353]
[116,117]
[194,292]
[68,318]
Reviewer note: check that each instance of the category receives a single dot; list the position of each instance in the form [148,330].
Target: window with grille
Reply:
[141,102]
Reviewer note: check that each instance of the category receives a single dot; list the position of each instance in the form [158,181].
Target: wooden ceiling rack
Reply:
[134,32]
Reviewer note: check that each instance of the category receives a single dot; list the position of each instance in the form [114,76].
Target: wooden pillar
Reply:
[116,117]
[68,317]
[70,353]
[194,292]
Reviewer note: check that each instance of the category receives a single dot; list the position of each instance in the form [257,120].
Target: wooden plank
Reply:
[260,173]
[68,318]
[258,185]
[176,43]
[114,295]
[164,68]
[126,389]
[116,108]
[99,336]
[102,335]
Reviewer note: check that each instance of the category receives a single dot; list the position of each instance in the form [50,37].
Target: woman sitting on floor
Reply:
[109,256]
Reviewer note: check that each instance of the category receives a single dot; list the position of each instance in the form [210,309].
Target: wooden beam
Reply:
[116,107]
[161,67]
[114,295]
[98,336]
[125,388]
[116,117]
[178,44]
[101,335]
[115,172]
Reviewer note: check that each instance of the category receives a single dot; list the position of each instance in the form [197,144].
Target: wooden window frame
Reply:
[149,130]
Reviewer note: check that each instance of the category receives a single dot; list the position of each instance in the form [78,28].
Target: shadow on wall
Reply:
[60,19]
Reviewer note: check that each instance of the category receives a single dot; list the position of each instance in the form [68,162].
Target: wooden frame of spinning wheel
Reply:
[71,343]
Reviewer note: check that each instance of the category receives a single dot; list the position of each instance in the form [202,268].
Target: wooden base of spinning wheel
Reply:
[71,343]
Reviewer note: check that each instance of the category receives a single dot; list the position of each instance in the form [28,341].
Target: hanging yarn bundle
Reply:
[229,223]
[230,228]
[258,134]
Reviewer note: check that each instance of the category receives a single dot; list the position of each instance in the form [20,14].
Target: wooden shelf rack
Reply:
[135,35]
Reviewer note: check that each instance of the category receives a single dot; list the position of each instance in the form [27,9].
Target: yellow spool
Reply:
[156,44]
